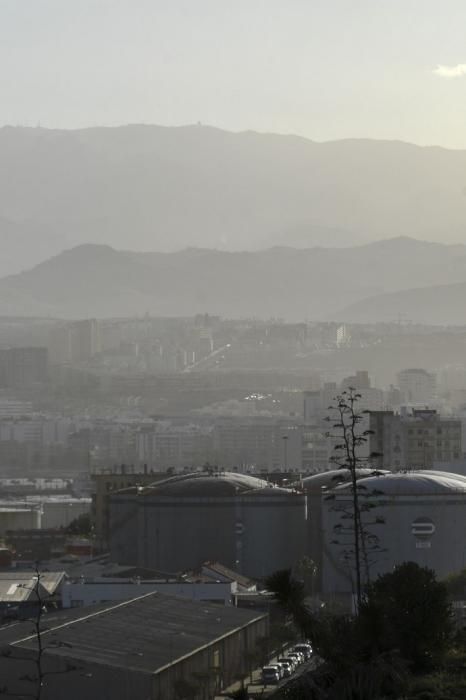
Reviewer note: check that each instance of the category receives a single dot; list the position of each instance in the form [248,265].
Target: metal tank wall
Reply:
[123,527]
[183,522]
[178,533]
[315,487]
[270,531]
[19,519]
[426,529]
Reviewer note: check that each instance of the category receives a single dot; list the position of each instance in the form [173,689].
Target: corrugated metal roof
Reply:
[19,586]
[146,633]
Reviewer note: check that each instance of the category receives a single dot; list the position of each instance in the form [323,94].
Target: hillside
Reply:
[439,305]
[161,188]
[315,283]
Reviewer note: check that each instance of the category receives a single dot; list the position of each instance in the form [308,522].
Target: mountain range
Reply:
[166,188]
[382,281]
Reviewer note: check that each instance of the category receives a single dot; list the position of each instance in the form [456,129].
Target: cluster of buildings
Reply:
[132,345]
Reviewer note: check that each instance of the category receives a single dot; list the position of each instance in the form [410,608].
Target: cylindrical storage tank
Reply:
[180,523]
[19,518]
[314,486]
[421,518]
[179,530]
[270,530]
[123,526]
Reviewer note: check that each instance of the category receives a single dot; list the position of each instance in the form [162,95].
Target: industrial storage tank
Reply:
[19,517]
[313,487]
[270,530]
[239,520]
[422,518]
[123,519]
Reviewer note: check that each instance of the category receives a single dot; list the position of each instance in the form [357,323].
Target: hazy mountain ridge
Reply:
[315,283]
[166,188]
[437,305]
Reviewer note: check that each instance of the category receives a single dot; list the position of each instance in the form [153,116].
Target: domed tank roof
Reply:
[332,478]
[439,472]
[206,484]
[410,483]
[271,490]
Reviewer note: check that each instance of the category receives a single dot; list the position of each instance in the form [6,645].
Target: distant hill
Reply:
[315,283]
[440,305]
[160,188]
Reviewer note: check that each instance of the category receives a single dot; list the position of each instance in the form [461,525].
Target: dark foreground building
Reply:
[154,647]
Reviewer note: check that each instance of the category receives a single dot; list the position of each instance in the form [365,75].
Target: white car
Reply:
[304,649]
[285,668]
[297,656]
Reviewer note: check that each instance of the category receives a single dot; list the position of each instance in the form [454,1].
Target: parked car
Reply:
[286,668]
[270,675]
[297,656]
[279,667]
[291,662]
[305,649]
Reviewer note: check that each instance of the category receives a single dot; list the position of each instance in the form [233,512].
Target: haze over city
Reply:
[232,350]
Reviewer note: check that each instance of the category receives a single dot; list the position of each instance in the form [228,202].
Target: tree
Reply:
[307,570]
[290,595]
[407,610]
[350,437]
[82,525]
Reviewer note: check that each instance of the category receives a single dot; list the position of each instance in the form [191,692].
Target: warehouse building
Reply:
[153,647]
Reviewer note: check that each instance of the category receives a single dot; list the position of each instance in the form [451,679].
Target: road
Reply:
[200,362]
[256,689]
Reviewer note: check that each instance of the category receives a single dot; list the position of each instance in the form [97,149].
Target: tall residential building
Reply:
[59,344]
[417,386]
[316,450]
[85,339]
[414,440]
[317,403]
[263,443]
[20,367]
[174,447]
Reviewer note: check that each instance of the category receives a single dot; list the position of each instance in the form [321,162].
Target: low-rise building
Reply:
[22,591]
[82,592]
[154,647]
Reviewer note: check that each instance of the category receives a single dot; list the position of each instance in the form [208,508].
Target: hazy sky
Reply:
[324,69]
